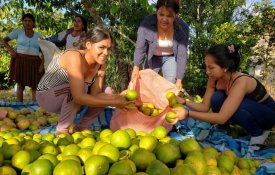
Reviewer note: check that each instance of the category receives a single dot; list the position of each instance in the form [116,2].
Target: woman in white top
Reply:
[26,66]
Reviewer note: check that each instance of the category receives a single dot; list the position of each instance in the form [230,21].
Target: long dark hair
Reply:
[173,4]
[84,22]
[97,34]
[226,56]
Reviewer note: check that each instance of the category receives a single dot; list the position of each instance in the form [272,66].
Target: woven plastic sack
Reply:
[150,87]
[49,50]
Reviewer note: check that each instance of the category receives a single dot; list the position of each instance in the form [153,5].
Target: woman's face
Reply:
[213,70]
[28,23]
[166,17]
[78,24]
[100,51]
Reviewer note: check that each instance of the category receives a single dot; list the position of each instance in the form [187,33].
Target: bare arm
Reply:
[205,105]
[5,42]
[74,66]
[229,107]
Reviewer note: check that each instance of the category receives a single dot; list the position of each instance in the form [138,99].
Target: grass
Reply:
[10,95]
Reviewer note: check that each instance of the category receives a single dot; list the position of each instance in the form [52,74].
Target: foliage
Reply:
[210,21]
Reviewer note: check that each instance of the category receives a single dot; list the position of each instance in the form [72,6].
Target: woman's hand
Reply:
[135,73]
[181,113]
[121,102]
[179,85]
[181,100]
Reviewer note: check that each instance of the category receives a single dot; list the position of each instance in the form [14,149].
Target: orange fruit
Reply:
[77,136]
[131,95]
[96,165]
[97,146]
[48,136]
[84,154]
[170,95]
[159,132]
[197,161]
[179,169]
[21,159]
[105,135]
[213,170]
[141,173]
[41,166]
[243,163]
[131,163]
[49,148]
[168,153]
[170,116]
[31,145]
[71,149]
[142,158]
[68,167]
[230,154]
[121,139]
[109,151]
[34,154]
[225,162]
[10,150]
[210,151]
[157,167]
[120,167]
[7,170]
[51,158]
[189,145]
[1,158]
[71,157]
[87,142]
[178,105]
[148,142]
[131,132]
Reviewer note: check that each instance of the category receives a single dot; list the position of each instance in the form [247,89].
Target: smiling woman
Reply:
[75,78]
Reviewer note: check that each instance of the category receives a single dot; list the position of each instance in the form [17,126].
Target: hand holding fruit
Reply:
[131,96]
[177,114]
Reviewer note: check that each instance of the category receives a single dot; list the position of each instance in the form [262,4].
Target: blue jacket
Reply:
[147,42]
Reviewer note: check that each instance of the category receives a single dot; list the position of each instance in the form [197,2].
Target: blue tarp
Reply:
[205,133]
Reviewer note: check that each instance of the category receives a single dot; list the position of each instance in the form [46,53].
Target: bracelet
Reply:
[184,102]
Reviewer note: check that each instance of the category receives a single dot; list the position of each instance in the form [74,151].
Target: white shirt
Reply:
[72,42]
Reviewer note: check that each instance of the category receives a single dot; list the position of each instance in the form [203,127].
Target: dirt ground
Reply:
[10,95]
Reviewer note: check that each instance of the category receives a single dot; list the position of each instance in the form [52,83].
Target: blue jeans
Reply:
[167,64]
[252,116]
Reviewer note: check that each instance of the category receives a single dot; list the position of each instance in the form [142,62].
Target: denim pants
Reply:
[167,64]
[252,116]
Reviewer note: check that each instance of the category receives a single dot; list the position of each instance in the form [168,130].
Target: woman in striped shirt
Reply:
[64,87]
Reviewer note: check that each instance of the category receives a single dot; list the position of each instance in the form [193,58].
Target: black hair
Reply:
[84,22]
[173,4]
[97,34]
[226,56]
[28,15]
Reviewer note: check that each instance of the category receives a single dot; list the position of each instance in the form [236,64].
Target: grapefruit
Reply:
[41,166]
[121,139]
[188,145]
[168,153]
[131,95]
[96,165]
[142,158]
[21,159]
[156,167]
[68,167]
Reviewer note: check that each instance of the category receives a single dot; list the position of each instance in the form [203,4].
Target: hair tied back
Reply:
[231,48]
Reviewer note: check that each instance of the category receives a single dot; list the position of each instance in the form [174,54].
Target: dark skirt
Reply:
[24,70]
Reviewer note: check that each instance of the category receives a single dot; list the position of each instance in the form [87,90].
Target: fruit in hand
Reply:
[170,116]
[171,97]
[131,95]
